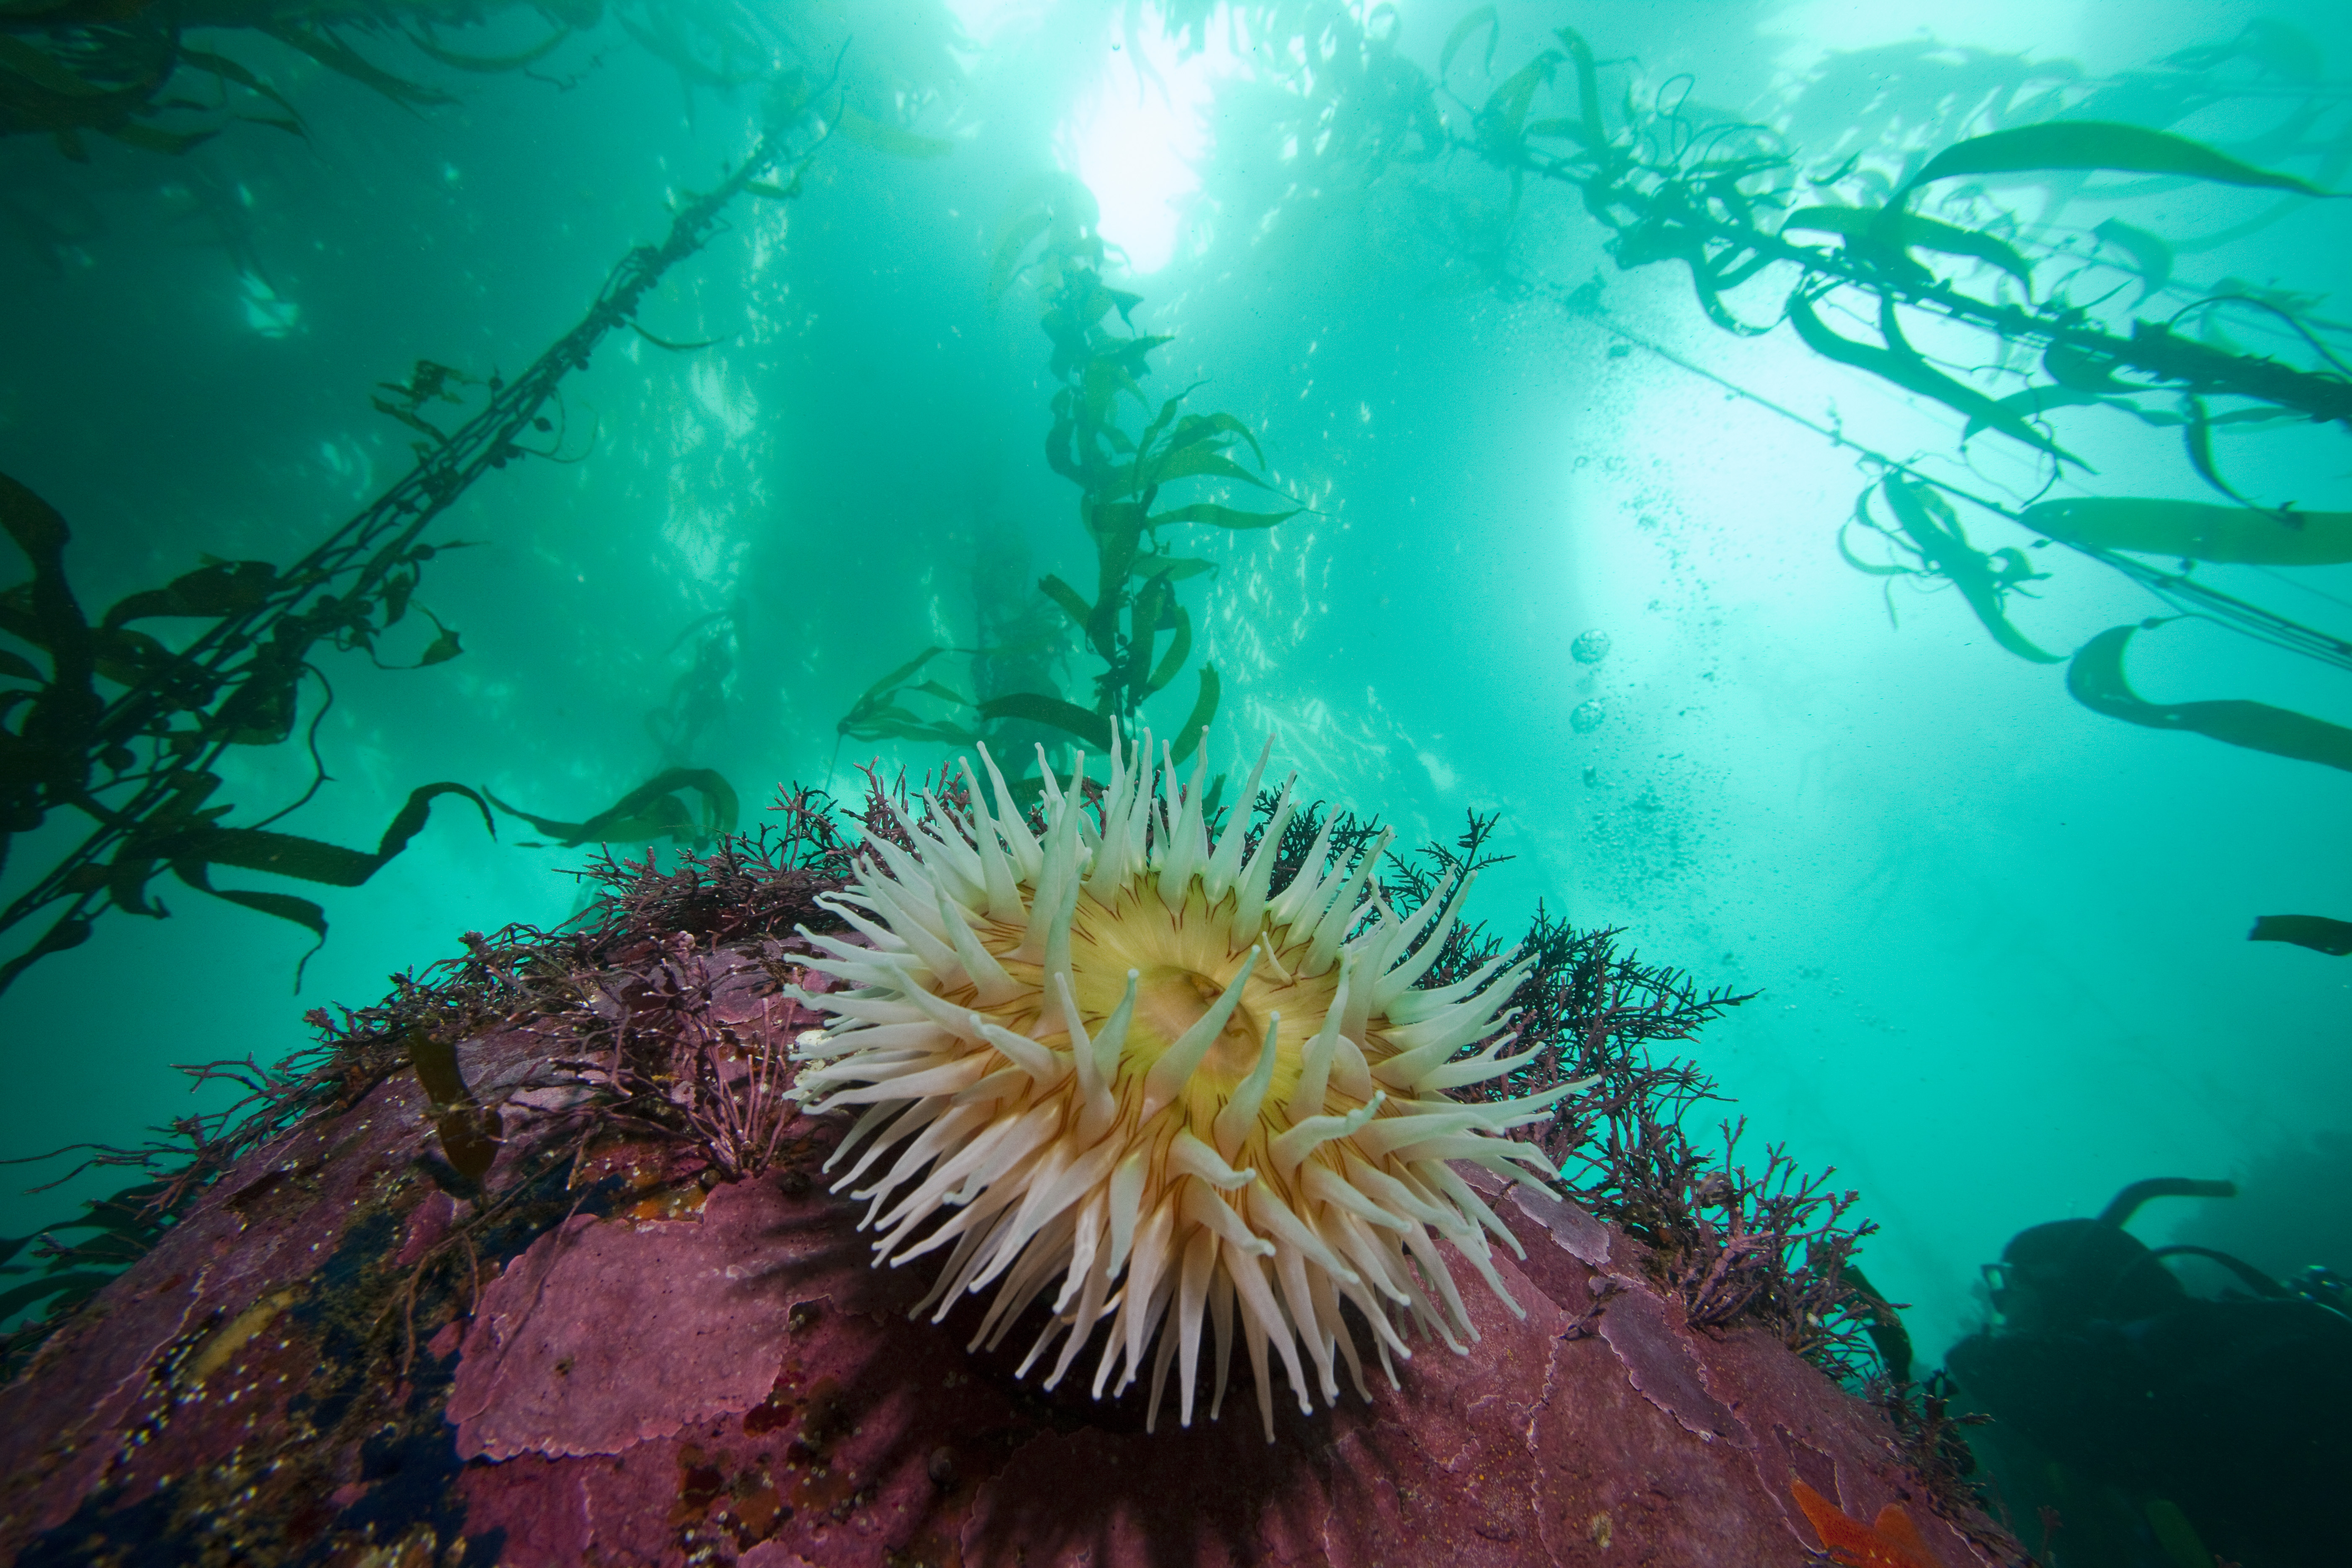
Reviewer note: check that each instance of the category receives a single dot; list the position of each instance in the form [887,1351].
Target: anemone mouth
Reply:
[1111,1068]
[1184,962]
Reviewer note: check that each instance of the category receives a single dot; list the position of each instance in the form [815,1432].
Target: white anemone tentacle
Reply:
[1146,1102]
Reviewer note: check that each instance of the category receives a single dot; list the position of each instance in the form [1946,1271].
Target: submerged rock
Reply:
[606,1353]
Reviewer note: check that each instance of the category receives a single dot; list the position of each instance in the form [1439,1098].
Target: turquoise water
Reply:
[1997,940]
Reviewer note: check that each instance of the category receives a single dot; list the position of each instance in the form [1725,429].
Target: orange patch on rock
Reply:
[1892,1541]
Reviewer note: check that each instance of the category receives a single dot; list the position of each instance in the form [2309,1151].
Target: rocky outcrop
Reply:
[345,1354]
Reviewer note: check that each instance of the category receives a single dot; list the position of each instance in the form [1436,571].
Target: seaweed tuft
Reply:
[1772,1246]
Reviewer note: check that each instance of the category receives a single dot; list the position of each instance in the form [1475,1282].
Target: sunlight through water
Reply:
[1137,134]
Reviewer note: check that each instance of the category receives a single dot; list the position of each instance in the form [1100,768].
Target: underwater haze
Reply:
[1521,499]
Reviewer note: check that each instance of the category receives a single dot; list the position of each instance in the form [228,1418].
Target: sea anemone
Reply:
[1126,1072]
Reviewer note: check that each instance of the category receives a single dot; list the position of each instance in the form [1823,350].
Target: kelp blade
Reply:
[2316,932]
[675,347]
[1906,370]
[2036,401]
[650,810]
[1929,522]
[336,55]
[1223,516]
[2151,253]
[1205,709]
[66,933]
[310,860]
[47,744]
[1483,16]
[2101,145]
[224,588]
[469,1133]
[1921,233]
[2095,678]
[488,65]
[2194,531]
[1053,711]
[878,715]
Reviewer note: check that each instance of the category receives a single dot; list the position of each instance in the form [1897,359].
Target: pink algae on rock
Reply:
[555,1359]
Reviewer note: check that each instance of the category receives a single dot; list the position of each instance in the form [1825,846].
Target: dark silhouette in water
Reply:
[2151,1426]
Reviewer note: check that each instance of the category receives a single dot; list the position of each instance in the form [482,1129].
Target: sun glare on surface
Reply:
[1138,133]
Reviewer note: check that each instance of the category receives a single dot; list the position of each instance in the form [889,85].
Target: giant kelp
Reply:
[653,809]
[142,759]
[1737,205]
[1868,211]
[1890,225]
[1132,619]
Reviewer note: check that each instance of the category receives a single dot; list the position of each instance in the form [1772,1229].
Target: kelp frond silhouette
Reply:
[133,71]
